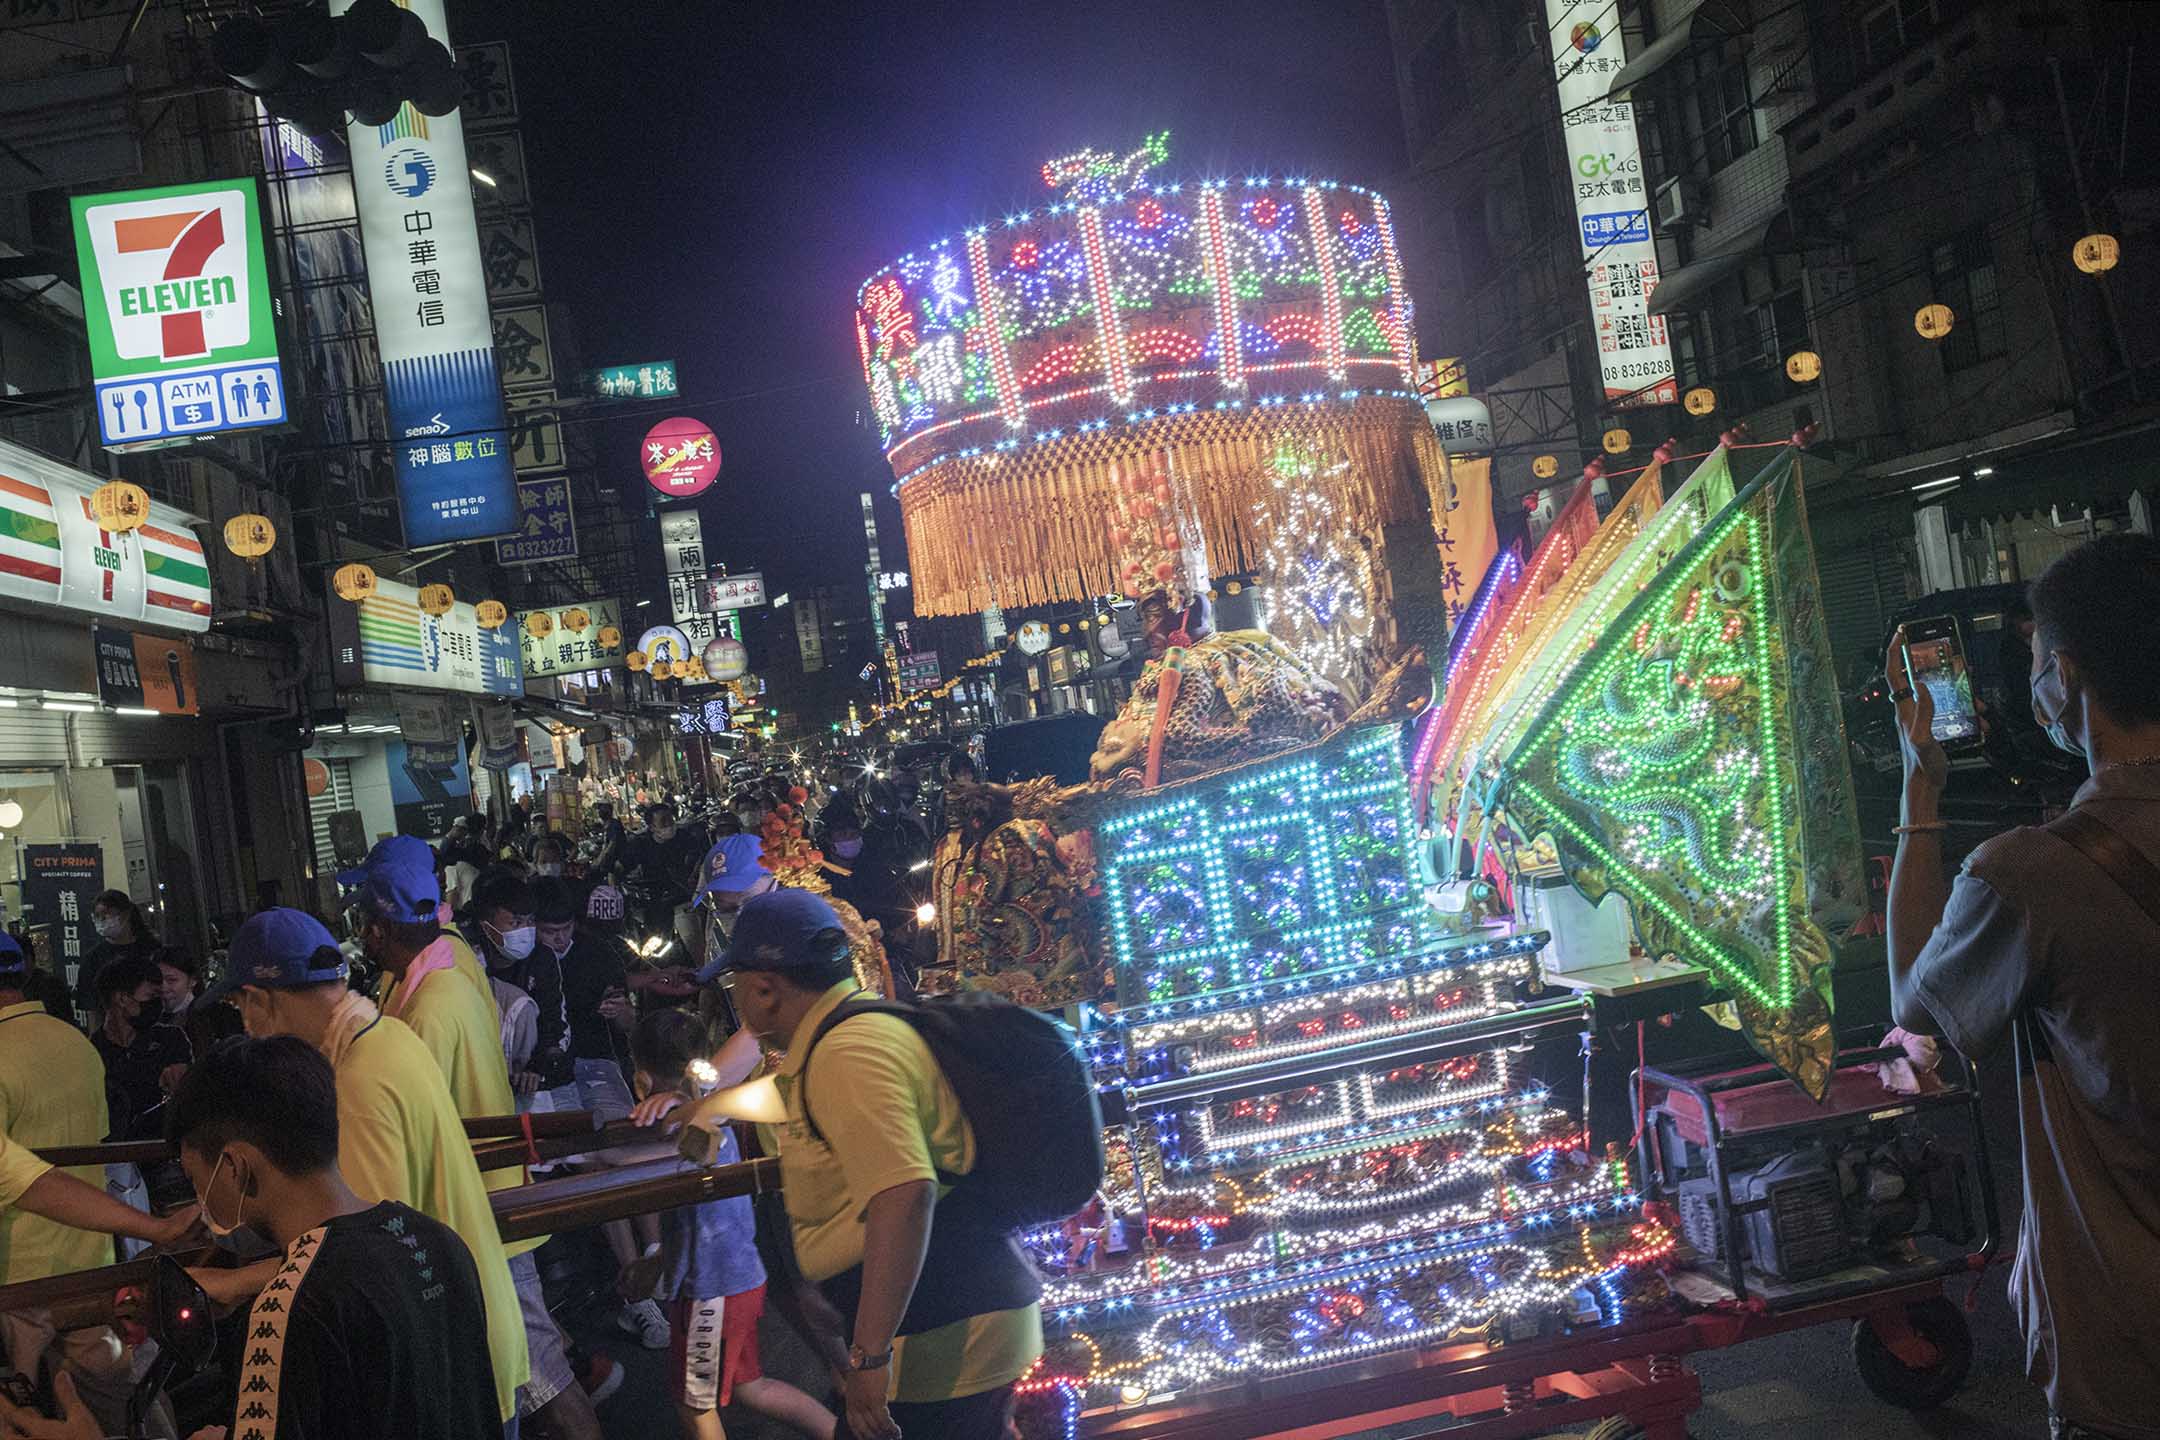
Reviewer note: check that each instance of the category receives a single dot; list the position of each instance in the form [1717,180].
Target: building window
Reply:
[1891,28]
[1965,280]
[1706,118]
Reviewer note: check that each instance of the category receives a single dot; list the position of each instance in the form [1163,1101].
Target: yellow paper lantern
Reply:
[1699,401]
[250,536]
[1803,367]
[1545,466]
[437,599]
[609,637]
[635,660]
[539,624]
[1933,321]
[661,669]
[1235,587]
[1617,441]
[2096,254]
[354,582]
[120,506]
[491,614]
[575,620]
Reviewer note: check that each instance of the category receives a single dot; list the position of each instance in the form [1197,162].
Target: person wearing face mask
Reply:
[52,1093]
[505,934]
[403,855]
[139,1047]
[177,972]
[733,871]
[123,934]
[551,857]
[379,1325]
[399,1134]
[2044,941]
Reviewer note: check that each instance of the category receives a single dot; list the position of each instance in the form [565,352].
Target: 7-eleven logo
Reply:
[174,273]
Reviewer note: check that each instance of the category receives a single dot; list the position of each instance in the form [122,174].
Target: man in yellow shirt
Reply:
[52,1092]
[399,1135]
[405,854]
[942,1319]
[396,906]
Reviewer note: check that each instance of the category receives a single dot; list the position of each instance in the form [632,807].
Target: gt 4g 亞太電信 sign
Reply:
[176,304]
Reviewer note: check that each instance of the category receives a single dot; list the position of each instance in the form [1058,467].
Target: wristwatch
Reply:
[860,1359]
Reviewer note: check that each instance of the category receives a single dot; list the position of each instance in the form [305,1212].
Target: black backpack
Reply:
[1028,1095]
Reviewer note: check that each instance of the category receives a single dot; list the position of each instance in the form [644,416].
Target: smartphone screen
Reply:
[1934,658]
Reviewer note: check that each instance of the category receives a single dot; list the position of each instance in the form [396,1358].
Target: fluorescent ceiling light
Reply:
[483,177]
[75,705]
[132,710]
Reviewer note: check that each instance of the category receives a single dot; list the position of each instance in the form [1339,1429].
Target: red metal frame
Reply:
[1636,1370]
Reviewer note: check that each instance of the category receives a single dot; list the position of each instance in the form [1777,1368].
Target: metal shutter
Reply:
[339,796]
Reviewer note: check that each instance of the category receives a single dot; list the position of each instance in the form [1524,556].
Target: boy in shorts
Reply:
[708,1267]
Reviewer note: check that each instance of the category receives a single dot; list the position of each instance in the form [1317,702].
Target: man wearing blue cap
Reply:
[52,1092]
[399,1134]
[936,1348]
[399,876]
[733,871]
[395,907]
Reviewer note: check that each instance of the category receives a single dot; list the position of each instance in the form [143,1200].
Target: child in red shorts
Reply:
[708,1266]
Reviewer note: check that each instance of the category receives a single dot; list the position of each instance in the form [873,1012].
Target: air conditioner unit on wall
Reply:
[1680,201]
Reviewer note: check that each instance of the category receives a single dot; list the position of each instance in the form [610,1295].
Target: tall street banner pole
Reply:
[413,185]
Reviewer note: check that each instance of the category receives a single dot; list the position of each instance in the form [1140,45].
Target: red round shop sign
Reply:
[681,457]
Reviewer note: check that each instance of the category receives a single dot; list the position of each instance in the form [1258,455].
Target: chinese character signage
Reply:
[413,185]
[584,636]
[146,672]
[1611,206]
[53,551]
[738,592]
[59,882]
[521,346]
[652,380]
[176,303]
[919,670]
[387,639]
[681,458]
[546,530]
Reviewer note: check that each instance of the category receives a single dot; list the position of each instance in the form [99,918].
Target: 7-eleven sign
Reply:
[177,304]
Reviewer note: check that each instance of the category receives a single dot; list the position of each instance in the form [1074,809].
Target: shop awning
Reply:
[1690,284]
[1709,20]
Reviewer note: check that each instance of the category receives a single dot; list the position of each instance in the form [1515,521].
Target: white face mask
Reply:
[215,1226]
[548,867]
[514,944]
[111,927]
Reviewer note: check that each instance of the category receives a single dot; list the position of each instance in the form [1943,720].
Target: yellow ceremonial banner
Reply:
[1468,538]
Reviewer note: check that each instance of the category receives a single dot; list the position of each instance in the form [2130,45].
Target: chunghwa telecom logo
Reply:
[410,171]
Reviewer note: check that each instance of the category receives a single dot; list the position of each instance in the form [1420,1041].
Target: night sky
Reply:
[712,181]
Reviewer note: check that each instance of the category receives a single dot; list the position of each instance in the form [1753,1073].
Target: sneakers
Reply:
[601,1377]
[645,1321]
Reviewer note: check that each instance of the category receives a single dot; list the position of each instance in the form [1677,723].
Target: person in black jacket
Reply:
[123,934]
[375,1325]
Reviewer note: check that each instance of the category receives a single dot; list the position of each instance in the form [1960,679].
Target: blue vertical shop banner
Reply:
[413,186]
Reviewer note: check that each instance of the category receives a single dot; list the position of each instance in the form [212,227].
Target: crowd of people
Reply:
[316,1094]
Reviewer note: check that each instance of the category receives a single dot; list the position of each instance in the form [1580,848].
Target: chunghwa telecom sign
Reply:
[177,304]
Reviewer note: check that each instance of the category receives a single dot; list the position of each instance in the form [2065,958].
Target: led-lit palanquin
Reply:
[1330,1143]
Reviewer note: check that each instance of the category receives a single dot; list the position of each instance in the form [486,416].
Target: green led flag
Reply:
[1696,764]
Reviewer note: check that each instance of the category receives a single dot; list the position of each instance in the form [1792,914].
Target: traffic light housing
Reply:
[316,69]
